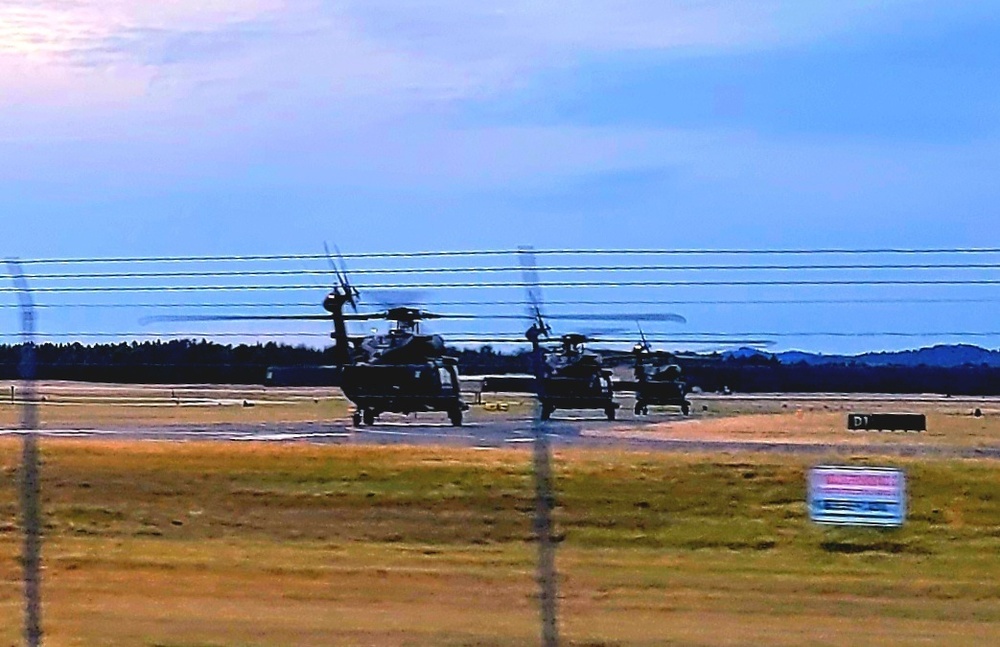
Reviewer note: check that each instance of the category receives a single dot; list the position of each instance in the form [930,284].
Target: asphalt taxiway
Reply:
[506,433]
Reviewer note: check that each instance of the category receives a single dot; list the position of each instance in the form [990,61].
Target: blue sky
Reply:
[263,126]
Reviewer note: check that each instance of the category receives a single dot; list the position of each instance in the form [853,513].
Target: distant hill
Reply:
[943,355]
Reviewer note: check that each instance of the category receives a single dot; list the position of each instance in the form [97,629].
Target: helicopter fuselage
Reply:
[662,386]
[573,378]
[401,371]
[431,385]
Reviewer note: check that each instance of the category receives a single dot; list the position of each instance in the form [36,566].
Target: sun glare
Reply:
[44,34]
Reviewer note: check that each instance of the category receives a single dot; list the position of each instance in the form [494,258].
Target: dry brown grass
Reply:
[205,544]
[819,421]
[77,404]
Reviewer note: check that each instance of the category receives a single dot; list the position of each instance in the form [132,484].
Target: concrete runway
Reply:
[508,433]
[493,429]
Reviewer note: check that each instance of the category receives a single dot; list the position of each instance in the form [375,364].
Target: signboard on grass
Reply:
[857,496]
[887,421]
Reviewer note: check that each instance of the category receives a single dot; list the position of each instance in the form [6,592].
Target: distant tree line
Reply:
[152,362]
[190,361]
[762,375]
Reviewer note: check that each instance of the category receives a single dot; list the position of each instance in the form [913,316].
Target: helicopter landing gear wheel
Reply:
[356,418]
[455,416]
[547,410]
[610,413]
[368,415]
[641,409]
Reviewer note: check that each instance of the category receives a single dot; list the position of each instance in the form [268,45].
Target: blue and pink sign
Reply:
[857,496]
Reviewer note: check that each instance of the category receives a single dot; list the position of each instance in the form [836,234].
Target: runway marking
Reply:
[63,432]
[386,432]
[423,425]
[289,436]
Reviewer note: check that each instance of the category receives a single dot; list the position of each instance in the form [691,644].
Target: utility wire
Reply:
[507,303]
[717,336]
[512,252]
[516,284]
[512,269]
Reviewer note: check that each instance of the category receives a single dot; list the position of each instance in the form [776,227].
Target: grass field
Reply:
[75,404]
[945,428]
[202,544]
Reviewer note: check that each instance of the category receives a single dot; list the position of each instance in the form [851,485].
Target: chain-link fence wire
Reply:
[30,488]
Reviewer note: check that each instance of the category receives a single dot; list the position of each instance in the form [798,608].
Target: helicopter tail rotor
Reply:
[349,292]
[644,343]
[529,275]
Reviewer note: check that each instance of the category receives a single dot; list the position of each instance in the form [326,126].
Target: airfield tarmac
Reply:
[801,424]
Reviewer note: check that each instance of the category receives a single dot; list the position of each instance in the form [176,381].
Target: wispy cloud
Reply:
[363,90]
[59,31]
[87,54]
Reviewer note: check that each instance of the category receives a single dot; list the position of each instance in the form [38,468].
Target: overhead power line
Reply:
[465,285]
[709,337]
[47,276]
[314,305]
[505,252]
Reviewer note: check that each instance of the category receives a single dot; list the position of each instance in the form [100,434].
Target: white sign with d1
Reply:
[857,496]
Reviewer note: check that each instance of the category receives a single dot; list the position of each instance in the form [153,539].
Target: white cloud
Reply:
[93,68]
[302,95]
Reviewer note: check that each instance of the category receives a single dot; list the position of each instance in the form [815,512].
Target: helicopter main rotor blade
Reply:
[511,339]
[419,315]
[400,298]
[182,318]
[624,316]
[383,314]
[612,317]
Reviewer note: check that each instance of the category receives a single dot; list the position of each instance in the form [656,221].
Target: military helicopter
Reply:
[568,376]
[401,371]
[658,379]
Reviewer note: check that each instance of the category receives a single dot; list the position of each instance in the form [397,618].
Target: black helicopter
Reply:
[402,371]
[568,376]
[658,379]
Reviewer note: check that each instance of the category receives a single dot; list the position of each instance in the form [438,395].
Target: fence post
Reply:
[544,502]
[542,469]
[30,487]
